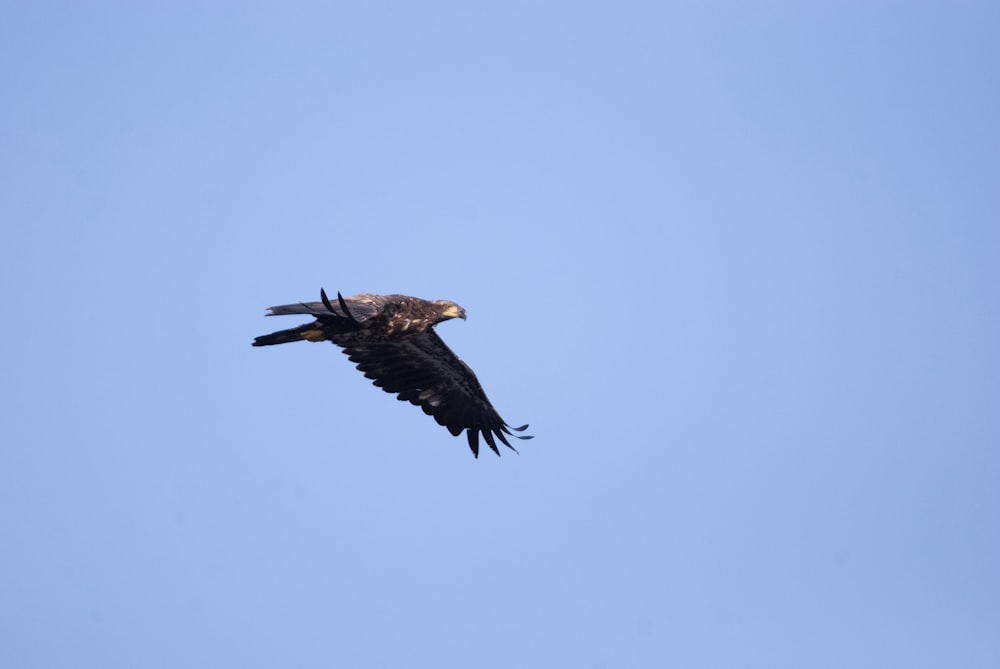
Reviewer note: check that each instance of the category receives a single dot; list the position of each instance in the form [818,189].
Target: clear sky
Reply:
[738,266]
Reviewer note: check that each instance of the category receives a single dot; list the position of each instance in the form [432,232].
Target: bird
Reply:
[391,339]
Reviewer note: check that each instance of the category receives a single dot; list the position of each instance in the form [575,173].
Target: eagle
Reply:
[392,340]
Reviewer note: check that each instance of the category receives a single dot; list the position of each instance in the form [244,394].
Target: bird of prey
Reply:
[392,340]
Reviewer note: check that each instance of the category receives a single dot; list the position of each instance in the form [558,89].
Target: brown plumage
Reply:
[392,340]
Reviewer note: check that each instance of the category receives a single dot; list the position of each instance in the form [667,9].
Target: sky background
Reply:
[737,265]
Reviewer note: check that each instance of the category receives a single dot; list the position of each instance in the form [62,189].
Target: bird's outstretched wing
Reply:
[421,369]
[360,307]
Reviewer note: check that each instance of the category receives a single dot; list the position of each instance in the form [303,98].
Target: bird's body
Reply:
[392,340]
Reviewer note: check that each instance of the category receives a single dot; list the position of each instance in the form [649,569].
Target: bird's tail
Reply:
[309,332]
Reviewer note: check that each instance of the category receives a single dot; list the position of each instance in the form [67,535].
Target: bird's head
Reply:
[449,310]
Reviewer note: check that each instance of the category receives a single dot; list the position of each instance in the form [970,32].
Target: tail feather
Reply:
[286,336]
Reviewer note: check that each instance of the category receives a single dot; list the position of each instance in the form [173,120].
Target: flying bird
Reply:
[392,340]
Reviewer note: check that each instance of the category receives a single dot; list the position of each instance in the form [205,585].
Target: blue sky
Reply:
[738,266]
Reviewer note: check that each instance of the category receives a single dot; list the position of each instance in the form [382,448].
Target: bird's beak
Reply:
[455,312]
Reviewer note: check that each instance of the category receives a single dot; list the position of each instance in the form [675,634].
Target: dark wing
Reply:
[361,307]
[421,369]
